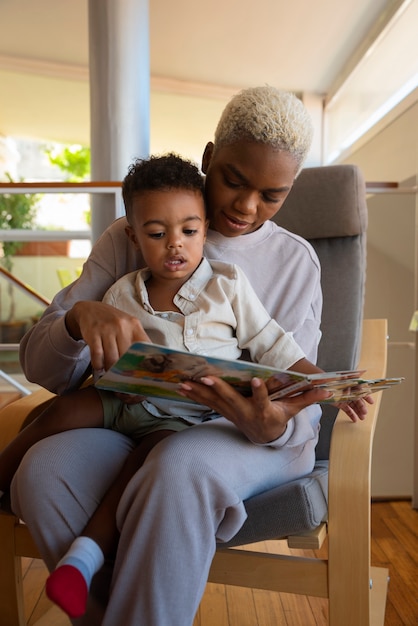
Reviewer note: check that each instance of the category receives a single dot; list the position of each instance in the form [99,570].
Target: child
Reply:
[182,301]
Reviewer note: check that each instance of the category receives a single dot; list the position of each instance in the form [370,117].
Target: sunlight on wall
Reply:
[386,75]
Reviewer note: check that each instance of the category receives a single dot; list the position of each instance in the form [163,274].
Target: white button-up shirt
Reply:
[220,316]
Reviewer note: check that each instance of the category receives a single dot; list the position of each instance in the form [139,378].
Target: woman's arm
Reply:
[55,353]
[261,420]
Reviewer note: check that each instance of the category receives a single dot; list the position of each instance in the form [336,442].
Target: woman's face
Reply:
[246,184]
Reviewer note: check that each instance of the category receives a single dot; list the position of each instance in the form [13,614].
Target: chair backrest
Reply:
[327,206]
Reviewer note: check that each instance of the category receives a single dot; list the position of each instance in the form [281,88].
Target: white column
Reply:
[119,95]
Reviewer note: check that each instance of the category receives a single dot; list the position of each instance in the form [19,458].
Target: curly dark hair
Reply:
[159,173]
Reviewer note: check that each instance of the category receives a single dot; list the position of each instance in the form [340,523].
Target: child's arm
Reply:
[303,366]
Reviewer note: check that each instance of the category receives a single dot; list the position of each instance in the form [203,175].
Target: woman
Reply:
[189,493]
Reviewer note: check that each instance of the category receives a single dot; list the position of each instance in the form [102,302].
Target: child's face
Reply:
[169,227]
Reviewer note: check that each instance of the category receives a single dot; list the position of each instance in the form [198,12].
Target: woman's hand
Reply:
[260,419]
[107,331]
[356,409]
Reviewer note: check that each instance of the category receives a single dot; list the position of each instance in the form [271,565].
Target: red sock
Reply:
[68,589]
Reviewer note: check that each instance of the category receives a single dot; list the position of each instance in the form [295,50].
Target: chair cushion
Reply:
[291,509]
[327,201]
[343,263]
[327,206]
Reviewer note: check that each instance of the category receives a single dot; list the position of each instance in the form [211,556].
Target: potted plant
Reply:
[17,211]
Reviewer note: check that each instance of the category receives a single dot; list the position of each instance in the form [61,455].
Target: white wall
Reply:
[392,156]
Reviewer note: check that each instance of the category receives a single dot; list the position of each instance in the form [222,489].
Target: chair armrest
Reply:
[16,415]
[349,488]
[351,443]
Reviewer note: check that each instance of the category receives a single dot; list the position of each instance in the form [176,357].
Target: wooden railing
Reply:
[27,289]
[389,188]
[104,187]
[114,188]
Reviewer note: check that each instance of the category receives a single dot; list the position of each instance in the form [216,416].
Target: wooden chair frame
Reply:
[356,591]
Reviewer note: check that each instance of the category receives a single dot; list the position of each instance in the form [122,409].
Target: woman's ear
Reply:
[130,233]
[207,155]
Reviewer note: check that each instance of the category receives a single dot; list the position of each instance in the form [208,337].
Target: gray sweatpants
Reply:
[188,495]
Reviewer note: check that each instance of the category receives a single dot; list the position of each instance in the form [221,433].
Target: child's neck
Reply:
[161,293]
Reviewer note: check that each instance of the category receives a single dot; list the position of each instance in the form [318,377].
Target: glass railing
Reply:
[391,289]
[47,258]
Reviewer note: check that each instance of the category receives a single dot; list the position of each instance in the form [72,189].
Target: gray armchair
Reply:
[326,206]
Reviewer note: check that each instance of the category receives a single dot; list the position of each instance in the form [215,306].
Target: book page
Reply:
[156,371]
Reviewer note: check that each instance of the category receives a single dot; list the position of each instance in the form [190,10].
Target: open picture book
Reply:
[155,371]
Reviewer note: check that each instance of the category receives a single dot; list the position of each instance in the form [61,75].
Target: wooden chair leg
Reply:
[12,610]
[379,591]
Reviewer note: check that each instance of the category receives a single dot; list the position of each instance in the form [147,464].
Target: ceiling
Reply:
[201,53]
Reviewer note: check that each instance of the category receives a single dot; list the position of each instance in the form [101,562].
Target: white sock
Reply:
[86,555]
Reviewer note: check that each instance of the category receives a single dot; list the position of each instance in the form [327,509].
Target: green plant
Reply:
[73,160]
[17,211]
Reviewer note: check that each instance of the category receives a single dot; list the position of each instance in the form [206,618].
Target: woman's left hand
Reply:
[259,418]
[356,409]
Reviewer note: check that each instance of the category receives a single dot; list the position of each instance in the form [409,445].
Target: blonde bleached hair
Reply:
[267,115]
